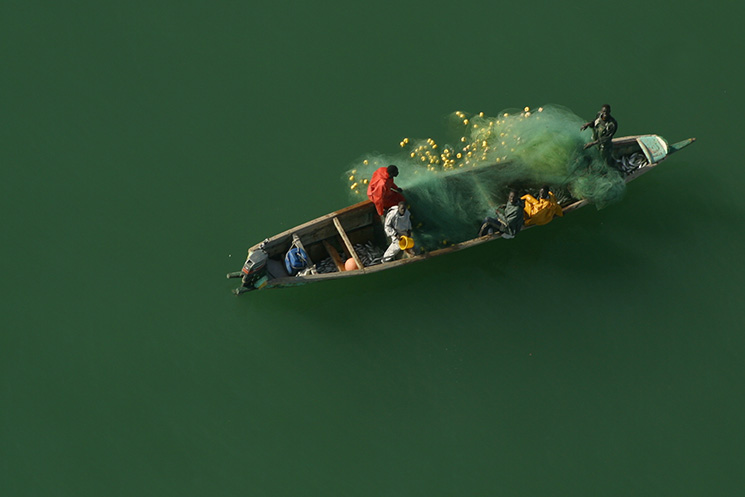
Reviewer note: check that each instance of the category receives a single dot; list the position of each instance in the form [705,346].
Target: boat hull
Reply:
[341,229]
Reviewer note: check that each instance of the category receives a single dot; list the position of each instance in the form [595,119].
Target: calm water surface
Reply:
[146,146]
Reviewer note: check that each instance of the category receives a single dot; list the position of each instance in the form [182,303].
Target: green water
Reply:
[146,145]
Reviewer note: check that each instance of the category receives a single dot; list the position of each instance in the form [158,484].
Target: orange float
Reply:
[350,265]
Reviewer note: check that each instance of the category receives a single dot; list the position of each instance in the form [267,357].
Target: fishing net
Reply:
[452,187]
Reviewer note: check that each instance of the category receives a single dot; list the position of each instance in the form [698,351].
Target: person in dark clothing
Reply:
[604,126]
[509,220]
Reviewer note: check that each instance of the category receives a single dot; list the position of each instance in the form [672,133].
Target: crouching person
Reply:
[397,224]
[509,220]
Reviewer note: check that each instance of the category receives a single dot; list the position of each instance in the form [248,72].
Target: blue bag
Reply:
[295,260]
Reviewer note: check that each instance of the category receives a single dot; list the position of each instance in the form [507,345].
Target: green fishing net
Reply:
[451,187]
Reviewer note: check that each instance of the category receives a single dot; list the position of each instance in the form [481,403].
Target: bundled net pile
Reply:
[452,187]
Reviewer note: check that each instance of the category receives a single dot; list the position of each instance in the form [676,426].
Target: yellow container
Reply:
[405,243]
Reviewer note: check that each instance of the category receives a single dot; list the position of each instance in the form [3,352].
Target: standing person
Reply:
[383,191]
[604,126]
[397,224]
[509,220]
[541,210]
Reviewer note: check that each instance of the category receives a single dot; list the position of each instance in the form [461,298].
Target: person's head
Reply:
[392,171]
[401,208]
[512,196]
[544,192]
[605,112]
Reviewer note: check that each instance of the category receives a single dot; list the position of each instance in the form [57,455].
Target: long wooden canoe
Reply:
[339,231]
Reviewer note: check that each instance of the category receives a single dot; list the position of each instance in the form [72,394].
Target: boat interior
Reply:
[330,240]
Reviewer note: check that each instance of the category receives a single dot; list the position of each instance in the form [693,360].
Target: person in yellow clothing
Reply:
[541,210]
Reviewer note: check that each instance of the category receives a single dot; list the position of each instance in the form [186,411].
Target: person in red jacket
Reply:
[383,191]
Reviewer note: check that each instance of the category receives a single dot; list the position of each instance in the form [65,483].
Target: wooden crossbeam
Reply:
[348,244]
[299,244]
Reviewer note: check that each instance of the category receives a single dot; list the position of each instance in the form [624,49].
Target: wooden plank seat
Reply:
[348,244]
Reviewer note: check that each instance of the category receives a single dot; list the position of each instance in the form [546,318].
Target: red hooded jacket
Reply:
[379,191]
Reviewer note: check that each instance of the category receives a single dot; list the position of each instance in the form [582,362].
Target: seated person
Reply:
[509,220]
[541,210]
[397,224]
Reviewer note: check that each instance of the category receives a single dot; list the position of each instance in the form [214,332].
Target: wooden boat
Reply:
[338,232]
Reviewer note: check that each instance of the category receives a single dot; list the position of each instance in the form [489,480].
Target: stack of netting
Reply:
[451,188]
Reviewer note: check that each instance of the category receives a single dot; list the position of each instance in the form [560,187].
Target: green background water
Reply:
[146,145]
